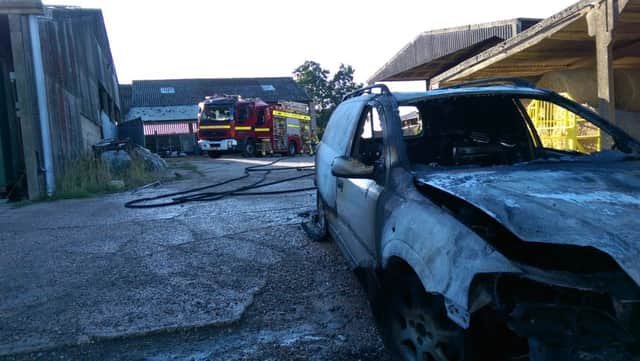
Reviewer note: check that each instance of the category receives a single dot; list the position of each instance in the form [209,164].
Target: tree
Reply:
[342,83]
[325,91]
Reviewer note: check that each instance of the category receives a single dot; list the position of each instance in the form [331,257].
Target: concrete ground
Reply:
[235,279]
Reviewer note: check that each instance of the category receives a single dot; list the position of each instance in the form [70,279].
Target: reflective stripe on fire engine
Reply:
[215,126]
[291,115]
[293,126]
[262,129]
[243,128]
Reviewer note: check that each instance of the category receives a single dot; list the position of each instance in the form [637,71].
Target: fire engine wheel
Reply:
[416,324]
[249,148]
[292,148]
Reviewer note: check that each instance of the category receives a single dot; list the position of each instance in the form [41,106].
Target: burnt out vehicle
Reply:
[481,236]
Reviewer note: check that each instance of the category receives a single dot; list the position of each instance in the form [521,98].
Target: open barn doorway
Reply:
[11,161]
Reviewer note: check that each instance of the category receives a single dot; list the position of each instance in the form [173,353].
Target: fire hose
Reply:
[205,193]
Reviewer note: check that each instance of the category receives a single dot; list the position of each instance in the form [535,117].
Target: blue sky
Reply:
[211,38]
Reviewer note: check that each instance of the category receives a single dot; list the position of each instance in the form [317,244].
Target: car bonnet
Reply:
[572,203]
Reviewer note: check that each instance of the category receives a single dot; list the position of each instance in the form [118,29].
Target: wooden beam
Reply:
[629,18]
[632,50]
[570,36]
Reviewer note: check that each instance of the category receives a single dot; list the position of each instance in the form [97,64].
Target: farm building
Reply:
[58,92]
[589,52]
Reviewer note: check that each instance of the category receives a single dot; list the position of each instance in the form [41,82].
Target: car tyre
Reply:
[213,154]
[249,150]
[416,326]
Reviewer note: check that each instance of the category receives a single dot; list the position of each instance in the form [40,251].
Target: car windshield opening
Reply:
[217,113]
[486,130]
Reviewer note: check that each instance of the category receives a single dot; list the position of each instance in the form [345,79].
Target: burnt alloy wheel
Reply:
[213,154]
[249,150]
[416,326]
[292,149]
[321,219]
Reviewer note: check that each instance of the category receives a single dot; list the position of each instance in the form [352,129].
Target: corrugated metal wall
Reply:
[80,78]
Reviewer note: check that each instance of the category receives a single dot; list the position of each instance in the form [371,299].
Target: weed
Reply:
[89,175]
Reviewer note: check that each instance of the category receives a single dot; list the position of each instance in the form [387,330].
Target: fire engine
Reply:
[232,123]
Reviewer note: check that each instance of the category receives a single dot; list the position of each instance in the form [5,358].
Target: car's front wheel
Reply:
[317,228]
[416,324]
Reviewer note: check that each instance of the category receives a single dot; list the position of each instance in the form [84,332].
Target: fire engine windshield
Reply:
[217,113]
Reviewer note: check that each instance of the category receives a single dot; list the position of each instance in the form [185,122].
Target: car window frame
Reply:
[344,124]
[382,175]
[363,115]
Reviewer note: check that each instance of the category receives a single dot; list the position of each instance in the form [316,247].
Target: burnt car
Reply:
[491,220]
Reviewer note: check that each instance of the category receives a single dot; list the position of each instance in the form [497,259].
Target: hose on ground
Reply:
[199,195]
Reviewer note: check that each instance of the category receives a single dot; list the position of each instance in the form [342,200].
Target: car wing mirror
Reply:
[347,167]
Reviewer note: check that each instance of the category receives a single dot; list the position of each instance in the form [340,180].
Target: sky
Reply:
[153,39]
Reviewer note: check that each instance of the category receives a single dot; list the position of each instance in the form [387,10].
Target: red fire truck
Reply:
[231,123]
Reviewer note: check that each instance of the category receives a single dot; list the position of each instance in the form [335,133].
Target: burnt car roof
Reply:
[405,98]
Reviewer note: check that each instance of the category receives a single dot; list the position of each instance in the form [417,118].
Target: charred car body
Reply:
[476,239]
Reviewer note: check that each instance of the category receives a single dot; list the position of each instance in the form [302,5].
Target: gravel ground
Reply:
[232,280]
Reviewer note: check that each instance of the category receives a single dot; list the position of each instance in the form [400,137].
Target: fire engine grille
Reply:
[213,133]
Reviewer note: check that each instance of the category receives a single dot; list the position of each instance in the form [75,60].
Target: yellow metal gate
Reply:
[561,129]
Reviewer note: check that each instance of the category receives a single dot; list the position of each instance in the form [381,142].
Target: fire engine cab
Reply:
[231,123]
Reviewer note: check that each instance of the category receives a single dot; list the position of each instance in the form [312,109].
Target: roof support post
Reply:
[601,22]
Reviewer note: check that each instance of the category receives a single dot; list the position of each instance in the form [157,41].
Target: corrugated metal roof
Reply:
[412,61]
[21,7]
[168,113]
[150,93]
[560,42]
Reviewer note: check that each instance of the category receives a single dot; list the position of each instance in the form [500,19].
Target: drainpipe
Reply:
[43,109]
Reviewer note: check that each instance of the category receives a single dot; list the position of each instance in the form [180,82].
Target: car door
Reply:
[356,199]
[336,142]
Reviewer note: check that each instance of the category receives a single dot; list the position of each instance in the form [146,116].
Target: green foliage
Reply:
[326,91]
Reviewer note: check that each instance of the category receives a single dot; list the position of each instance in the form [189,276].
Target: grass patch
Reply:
[89,175]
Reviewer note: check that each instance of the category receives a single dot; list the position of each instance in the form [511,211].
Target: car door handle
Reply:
[340,184]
